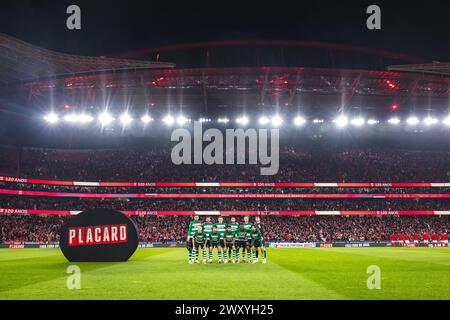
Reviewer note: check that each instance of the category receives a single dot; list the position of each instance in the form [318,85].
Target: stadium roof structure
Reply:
[433,68]
[21,61]
[262,83]
[35,76]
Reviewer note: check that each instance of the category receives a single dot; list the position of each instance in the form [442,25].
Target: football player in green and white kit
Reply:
[233,224]
[242,242]
[221,226]
[256,239]
[260,226]
[215,241]
[248,227]
[199,242]
[193,225]
[207,226]
[229,248]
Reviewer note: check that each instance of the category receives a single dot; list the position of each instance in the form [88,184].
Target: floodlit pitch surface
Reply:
[335,273]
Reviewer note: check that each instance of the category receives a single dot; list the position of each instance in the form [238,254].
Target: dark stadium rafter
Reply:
[20,61]
[265,80]
[440,68]
[277,43]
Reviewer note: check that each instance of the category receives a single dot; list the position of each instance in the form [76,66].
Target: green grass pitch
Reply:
[335,273]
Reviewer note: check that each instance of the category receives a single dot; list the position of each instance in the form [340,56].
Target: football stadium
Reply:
[274,169]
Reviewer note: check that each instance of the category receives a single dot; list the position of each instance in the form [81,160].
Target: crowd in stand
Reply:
[330,164]
[296,165]
[45,229]
[228,190]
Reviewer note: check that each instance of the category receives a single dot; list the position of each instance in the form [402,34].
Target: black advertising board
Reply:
[99,235]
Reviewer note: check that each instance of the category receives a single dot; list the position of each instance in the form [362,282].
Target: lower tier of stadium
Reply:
[24,228]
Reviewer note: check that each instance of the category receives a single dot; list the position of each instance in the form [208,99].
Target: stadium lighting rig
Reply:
[182,120]
[105,118]
[146,119]
[126,119]
[71,118]
[85,118]
[51,118]
[299,121]
[223,120]
[429,121]
[169,120]
[242,120]
[264,120]
[394,121]
[341,121]
[412,121]
[277,121]
[358,122]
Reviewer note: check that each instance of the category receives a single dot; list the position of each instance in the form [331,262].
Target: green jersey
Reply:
[200,238]
[220,227]
[229,237]
[234,226]
[207,227]
[215,237]
[248,226]
[242,235]
[193,225]
[256,237]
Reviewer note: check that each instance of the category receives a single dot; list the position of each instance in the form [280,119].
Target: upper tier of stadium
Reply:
[35,76]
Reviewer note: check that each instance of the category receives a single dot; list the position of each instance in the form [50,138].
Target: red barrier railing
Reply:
[229,195]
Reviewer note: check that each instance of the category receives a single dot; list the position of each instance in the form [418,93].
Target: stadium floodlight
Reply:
[168,120]
[341,121]
[242,120]
[264,120]
[317,121]
[85,118]
[146,119]
[277,121]
[202,120]
[358,122]
[181,120]
[71,118]
[412,121]
[223,120]
[51,118]
[125,119]
[429,121]
[446,121]
[299,121]
[394,121]
[105,118]
[373,121]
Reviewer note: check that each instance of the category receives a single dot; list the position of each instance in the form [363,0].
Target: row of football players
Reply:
[235,242]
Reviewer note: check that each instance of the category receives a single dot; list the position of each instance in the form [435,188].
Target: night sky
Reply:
[111,27]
